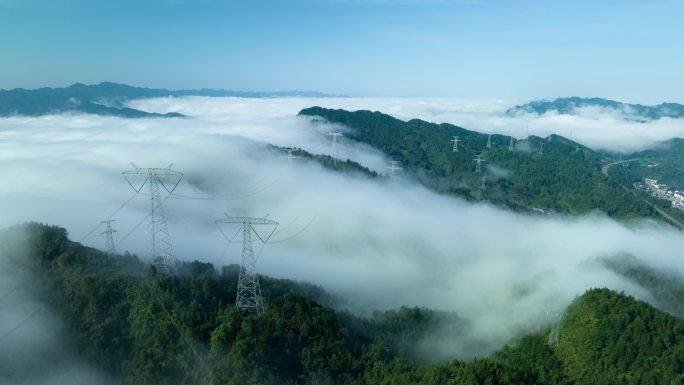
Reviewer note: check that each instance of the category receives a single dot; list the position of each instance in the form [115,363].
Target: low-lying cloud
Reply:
[34,343]
[595,127]
[380,243]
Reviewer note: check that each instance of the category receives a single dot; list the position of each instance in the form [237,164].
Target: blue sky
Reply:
[629,50]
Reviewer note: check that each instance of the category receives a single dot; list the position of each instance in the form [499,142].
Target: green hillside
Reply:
[145,329]
[556,179]
[607,338]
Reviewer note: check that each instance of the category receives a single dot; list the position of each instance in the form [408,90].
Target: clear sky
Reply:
[629,50]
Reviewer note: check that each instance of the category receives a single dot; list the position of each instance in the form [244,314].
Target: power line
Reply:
[10,292]
[109,217]
[182,334]
[20,324]
[225,197]
[136,226]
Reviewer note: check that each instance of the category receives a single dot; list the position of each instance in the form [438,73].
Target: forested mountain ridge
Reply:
[141,328]
[107,99]
[553,174]
[568,106]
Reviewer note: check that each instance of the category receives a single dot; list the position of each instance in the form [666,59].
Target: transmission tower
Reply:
[109,236]
[393,167]
[482,185]
[556,317]
[334,135]
[160,241]
[510,145]
[478,163]
[290,157]
[541,148]
[489,140]
[248,291]
[455,141]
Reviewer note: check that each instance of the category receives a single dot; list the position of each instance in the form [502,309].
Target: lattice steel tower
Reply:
[393,168]
[160,241]
[333,153]
[478,163]
[455,140]
[555,317]
[248,291]
[109,236]
[290,157]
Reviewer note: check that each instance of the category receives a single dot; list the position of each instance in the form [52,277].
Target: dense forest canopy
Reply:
[553,174]
[142,328]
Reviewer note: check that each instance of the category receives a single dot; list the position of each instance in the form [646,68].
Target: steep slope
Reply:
[608,338]
[605,338]
[144,329]
[553,174]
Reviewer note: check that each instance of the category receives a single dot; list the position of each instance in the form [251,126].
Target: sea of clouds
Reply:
[378,243]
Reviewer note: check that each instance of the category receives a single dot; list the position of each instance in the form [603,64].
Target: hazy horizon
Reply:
[623,50]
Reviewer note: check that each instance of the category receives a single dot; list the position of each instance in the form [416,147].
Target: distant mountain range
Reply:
[109,99]
[568,106]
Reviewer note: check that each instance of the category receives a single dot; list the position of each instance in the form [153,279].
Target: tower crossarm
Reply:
[247,220]
[153,173]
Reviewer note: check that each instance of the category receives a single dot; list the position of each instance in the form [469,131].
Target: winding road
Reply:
[605,168]
[665,215]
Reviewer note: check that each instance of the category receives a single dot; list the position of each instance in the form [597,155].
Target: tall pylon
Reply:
[455,140]
[290,157]
[555,317]
[510,144]
[109,236]
[478,163]
[489,140]
[248,291]
[160,241]
[333,153]
[541,148]
[482,185]
[393,167]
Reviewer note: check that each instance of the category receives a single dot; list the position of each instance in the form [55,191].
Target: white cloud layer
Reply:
[596,128]
[379,243]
